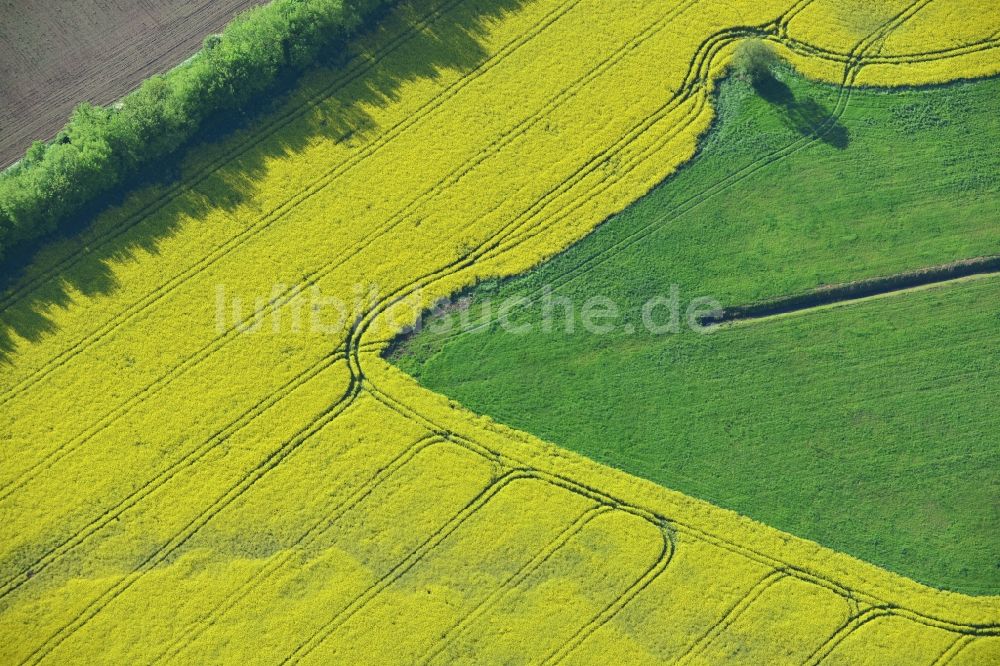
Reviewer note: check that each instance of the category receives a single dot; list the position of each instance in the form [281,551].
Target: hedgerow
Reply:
[101,148]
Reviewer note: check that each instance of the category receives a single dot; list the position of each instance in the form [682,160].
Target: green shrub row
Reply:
[102,147]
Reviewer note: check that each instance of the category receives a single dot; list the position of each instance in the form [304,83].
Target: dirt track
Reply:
[54,55]
[852,291]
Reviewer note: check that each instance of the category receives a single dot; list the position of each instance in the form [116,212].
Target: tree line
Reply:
[101,148]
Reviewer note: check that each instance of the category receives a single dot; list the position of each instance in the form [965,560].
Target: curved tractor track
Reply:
[514,459]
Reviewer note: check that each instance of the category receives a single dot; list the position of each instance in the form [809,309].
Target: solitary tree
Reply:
[754,60]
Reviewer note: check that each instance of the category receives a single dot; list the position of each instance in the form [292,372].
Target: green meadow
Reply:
[869,427]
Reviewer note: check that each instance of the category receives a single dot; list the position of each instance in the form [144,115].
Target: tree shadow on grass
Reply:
[806,116]
[223,169]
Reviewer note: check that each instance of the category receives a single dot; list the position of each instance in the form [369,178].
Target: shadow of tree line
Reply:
[138,219]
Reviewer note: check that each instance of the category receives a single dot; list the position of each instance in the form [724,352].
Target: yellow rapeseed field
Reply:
[183,480]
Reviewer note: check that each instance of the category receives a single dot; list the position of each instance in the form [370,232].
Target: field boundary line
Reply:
[217,343]
[279,212]
[362,61]
[553,102]
[696,199]
[847,593]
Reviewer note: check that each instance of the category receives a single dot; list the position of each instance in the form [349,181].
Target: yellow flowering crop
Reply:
[186,481]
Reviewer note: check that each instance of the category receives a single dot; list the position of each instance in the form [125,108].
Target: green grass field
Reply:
[869,427]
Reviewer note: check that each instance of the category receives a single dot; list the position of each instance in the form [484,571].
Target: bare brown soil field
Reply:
[54,55]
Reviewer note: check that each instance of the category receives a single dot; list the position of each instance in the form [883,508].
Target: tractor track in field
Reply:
[661,523]
[357,384]
[289,293]
[811,577]
[667,549]
[40,563]
[52,459]
[278,300]
[809,50]
[731,615]
[523,573]
[852,624]
[953,650]
[277,213]
[590,263]
[964,635]
[358,66]
[315,531]
[496,486]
